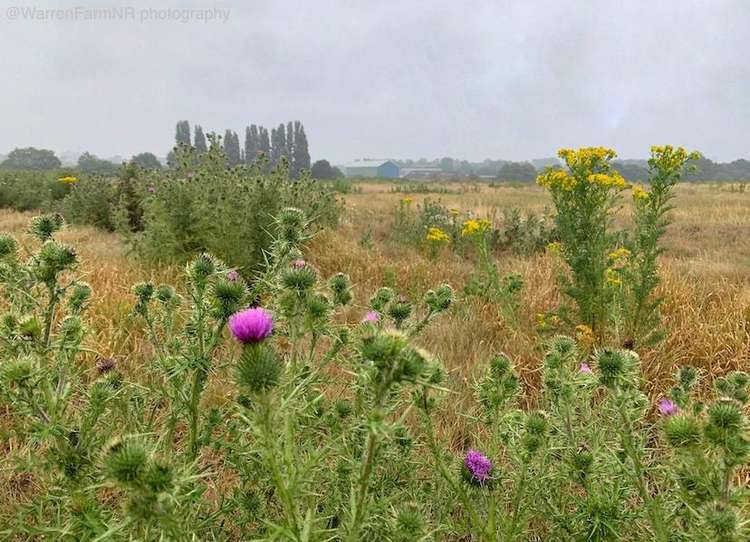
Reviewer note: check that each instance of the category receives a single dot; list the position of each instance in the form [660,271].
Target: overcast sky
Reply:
[397,79]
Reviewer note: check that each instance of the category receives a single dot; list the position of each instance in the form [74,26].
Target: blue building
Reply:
[383,169]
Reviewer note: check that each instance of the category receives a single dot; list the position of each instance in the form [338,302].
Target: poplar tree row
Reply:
[287,140]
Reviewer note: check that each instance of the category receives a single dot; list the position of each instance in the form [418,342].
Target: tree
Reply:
[89,163]
[290,136]
[322,169]
[252,144]
[447,164]
[301,152]
[182,133]
[232,148]
[278,143]
[517,171]
[265,143]
[631,172]
[31,158]
[146,160]
[200,140]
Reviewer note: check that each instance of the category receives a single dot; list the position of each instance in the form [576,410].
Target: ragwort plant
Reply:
[650,220]
[612,275]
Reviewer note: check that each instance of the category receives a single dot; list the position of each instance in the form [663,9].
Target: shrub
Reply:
[31,190]
[202,206]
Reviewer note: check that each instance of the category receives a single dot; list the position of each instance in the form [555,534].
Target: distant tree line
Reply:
[33,159]
[286,140]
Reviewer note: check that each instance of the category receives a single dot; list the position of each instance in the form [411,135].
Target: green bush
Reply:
[29,190]
[202,206]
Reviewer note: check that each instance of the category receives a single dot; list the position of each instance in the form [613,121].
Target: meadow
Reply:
[328,450]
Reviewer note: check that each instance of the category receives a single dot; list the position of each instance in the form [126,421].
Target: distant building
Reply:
[384,169]
[423,173]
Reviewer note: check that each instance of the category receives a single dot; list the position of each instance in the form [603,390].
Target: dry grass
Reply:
[705,270]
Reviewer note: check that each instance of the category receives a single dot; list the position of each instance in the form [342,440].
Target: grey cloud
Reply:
[511,79]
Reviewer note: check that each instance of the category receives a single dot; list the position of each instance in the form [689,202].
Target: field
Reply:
[705,285]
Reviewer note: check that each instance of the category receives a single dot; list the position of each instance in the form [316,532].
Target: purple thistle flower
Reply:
[667,407]
[371,317]
[585,369]
[232,275]
[299,264]
[478,465]
[251,325]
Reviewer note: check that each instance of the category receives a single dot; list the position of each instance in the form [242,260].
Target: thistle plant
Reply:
[185,337]
[709,443]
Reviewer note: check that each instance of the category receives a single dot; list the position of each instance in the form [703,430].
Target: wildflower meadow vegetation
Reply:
[216,353]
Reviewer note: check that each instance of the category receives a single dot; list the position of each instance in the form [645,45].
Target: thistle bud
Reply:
[725,420]
[201,268]
[45,226]
[399,310]
[258,369]
[125,461]
[381,298]
[613,366]
[440,299]
[165,293]
[226,297]
[318,306]
[79,296]
[159,476]
[682,431]
[299,279]
[8,246]
[144,291]
[341,288]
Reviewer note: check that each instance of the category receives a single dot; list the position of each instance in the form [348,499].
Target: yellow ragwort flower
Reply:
[639,194]
[621,253]
[557,179]
[69,179]
[612,180]
[436,235]
[585,335]
[554,247]
[475,227]
[407,200]
[613,278]
[586,157]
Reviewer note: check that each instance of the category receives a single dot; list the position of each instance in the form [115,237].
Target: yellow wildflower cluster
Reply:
[436,235]
[407,200]
[556,178]
[639,194]
[672,158]
[475,227]
[620,254]
[586,157]
[612,180]
[554,247]
[613,278]
[585,335]
[544,321]
[68,179]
